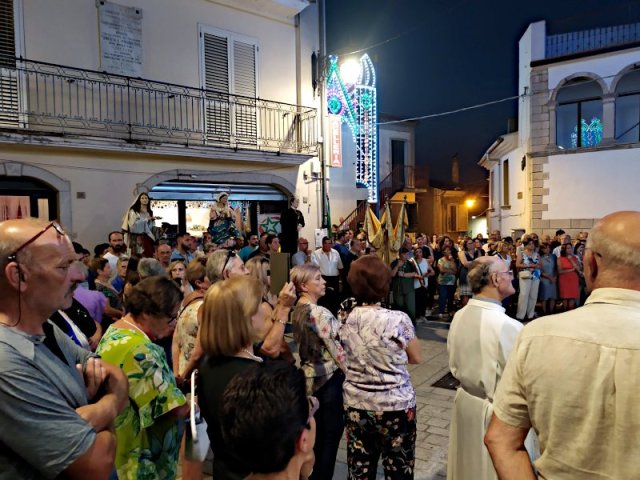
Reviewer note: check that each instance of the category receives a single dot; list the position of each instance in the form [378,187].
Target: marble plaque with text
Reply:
[120,39]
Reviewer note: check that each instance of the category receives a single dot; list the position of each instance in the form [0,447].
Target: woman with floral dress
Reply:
[315,330]
[379,399]
[147,430]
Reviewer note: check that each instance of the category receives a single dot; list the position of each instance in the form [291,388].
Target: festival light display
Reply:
[356,104]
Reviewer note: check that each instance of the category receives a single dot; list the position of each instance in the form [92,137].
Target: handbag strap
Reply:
[192,413]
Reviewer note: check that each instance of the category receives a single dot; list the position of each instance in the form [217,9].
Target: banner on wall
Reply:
[269,223]
[335,132]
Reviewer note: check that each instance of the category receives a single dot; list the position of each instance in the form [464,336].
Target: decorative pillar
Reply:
[608,119]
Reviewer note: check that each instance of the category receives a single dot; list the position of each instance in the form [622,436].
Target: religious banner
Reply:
[120,39]
[335,129]
[269,223]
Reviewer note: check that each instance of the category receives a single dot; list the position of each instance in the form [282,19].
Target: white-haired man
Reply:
[573,376]
[479,342]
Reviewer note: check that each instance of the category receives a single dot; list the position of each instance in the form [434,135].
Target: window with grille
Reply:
[229,78]
[8,78]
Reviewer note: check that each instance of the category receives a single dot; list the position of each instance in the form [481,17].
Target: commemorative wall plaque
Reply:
[120,38]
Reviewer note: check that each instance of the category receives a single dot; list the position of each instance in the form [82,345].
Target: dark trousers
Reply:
[331,299]
[329,426]
[421,301]
[390,434]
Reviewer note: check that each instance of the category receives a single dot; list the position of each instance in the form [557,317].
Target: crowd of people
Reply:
[112,339]
[97,352]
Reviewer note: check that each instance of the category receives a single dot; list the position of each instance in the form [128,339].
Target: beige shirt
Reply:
[575,378]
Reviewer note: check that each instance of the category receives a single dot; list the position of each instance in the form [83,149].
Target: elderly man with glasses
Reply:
[58,400]
[479,342]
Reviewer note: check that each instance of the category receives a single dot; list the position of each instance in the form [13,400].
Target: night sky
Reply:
[450,54]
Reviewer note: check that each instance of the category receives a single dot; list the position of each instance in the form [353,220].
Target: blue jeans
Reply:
[447,292]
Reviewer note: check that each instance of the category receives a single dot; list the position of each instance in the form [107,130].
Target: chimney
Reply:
[512,125]
[455,170]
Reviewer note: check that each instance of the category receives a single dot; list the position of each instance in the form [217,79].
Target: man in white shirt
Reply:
[479,342]
[330,263]
[117,248]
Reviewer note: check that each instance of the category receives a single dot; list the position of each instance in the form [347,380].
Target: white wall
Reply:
[531,47]
[66,32]
[394,132]
[591,185]
[606,65]
[517,216]
[343,194]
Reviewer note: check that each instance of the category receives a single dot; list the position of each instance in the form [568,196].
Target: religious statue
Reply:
[291,221]
[223,220]
[138,226]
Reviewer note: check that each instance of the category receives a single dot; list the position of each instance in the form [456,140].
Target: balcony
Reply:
[47,99]
[588,40]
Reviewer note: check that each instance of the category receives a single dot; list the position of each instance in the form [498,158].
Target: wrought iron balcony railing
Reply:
[46,98]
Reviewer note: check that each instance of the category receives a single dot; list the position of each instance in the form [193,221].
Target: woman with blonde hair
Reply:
[177,271]
[231,318]
[315,330]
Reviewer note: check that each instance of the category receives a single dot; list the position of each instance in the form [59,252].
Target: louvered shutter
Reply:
[244,86]
[8,79]
[216,83]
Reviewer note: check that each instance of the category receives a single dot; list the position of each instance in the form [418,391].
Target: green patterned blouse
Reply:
[147,439]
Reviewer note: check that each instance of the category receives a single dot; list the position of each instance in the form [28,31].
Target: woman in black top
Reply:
[231,317]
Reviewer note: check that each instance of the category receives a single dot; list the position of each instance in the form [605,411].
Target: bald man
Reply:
[574,376]
[58,400]
[479,342]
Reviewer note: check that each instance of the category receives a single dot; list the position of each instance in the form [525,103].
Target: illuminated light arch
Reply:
[357,106]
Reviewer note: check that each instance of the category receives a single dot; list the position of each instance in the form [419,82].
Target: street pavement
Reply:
[433,409]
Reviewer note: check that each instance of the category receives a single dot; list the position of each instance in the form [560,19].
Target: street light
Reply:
[470,202]
[350,71]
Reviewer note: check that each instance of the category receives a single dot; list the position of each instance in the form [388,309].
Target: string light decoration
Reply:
[357,106]
[590,133]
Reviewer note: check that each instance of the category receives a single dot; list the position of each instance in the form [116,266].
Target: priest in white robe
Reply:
[479,342]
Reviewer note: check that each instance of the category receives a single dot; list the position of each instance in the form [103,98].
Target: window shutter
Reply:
[244,85]
[216,63]
[8,80]
[216,82]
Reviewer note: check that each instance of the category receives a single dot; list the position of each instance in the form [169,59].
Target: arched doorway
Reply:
[22,197]
[49,195]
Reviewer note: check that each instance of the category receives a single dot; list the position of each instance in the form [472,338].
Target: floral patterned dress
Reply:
[147,439]
[379,398]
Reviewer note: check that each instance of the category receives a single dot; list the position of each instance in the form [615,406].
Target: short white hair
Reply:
[613,250]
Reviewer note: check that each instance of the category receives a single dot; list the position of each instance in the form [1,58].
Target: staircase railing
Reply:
[399,178]
[355,218]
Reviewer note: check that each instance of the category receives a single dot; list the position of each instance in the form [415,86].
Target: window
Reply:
[505,183]
[579,114]
[628,108]
[457,218]
[229,66]
[8,79]
[397,162]
[492,190]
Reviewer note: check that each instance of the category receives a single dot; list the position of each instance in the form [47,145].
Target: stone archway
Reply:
[218,177]
[63,187]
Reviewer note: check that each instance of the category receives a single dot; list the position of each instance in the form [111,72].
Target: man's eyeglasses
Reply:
[14,256]
[230,253]
[508,272]
[314,404]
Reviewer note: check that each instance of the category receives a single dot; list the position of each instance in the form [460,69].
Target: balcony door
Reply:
[228,76]
[8,80]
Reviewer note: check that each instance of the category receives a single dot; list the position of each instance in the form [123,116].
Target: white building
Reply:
[575,156]
[102,100]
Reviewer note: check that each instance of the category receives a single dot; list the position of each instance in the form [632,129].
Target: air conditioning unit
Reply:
[315,166]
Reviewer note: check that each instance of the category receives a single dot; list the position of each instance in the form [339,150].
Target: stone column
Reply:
[608,119]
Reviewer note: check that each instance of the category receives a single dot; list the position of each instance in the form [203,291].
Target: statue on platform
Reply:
[138,226]
[223,220]
[291,222]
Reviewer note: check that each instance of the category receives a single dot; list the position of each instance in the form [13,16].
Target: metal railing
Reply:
[55,99]
[356,218]
[586,40]
[400,178]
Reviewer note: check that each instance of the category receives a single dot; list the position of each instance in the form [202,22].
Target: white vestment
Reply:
[479,342]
